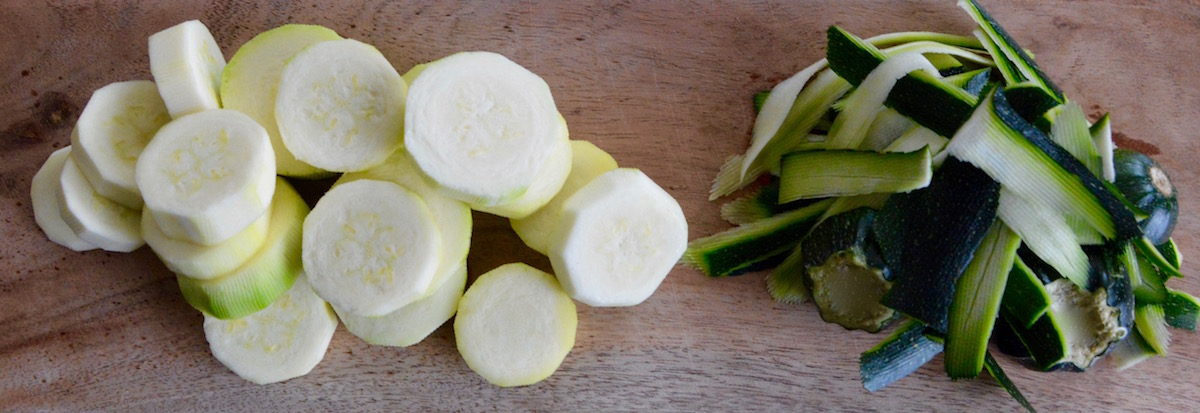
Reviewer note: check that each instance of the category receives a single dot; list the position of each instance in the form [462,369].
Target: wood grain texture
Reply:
[663,86]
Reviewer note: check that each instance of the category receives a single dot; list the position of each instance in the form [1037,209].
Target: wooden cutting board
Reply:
[663,86]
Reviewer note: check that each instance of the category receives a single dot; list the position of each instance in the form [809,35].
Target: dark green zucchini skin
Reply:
[1007,341]
[928,237]
[1123,220]
[838,239]
[1145,184]
[847,231]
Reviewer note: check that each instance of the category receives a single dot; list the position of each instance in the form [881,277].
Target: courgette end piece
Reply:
[897,356]
[1088,325]
[1147,186]
[1181,310]
[997,373]
[844,271]
[847,291]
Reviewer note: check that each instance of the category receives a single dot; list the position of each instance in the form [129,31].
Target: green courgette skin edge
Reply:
[1123,220]
[1135,180]
[928,237]
[897,356]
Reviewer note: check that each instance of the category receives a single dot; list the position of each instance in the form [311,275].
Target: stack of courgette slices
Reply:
[946,182]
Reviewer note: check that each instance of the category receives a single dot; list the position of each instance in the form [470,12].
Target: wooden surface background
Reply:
[664,86]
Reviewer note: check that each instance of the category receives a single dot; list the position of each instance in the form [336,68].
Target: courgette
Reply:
[819,174]
[763,203]
[844,271]
[929,236]
[1025,298]
[730,252]
[1011,51]
[977,302]
[997,373]
[897,356]
[1181,310]
[1102,137]
[1152,326]
[1145,183]
[931,102]
[1170,252]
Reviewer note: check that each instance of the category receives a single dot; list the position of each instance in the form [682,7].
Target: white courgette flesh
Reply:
[283,341]
[207,176]
[187,64]
[451,216]
[251,79]
[515,325]
[412,323]
[617,239]
[206,262]
[98,220]
[371,247]
[340,106]
[115,126]
[548,182]
[266,275]
[43,193]
[481,126]
[587,162]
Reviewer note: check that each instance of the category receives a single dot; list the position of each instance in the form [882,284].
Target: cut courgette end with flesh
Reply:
[587,162]
[451,216]
[371,247]
[897,356]
[250,81]
[617,239]
[283,341]
[187,63]
[1145,183]
[113,129]
[481,126]
[548,182]
[846,273]
[43,194]
[207,176]
[265,276]
[1079,328]
[207,261]
[340,106]
[734,251]
[412,323]
[1181,310]
[515,325]
[819,174]
[93,218]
